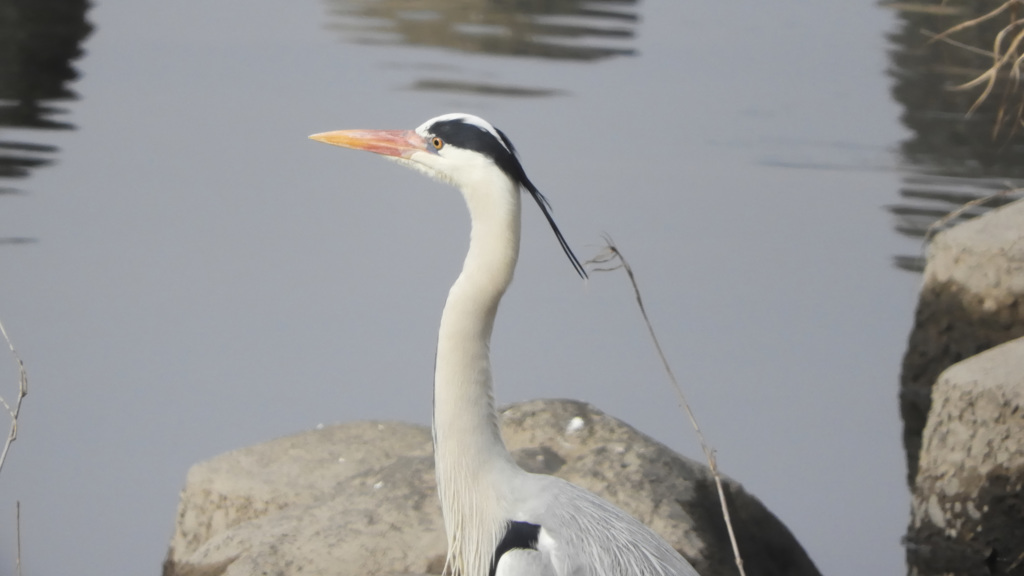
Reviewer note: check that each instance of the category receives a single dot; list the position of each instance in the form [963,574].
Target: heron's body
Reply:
[501,520]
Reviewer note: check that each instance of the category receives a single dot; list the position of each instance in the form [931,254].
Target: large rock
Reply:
[968,503]
[298,471]
[292,506]
[972,299]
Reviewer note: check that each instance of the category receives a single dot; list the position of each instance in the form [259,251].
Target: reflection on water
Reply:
[480,88]
[564,29]
[39,39]
[929,198]
[956,159]
[581,30]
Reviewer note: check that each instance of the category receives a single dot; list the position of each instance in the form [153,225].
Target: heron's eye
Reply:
[437,142]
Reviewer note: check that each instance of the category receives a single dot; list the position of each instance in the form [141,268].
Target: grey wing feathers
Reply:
[593,538]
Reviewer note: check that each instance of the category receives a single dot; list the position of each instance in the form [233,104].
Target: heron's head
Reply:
[461,149]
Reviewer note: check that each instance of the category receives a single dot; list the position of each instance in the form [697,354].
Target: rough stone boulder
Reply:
[967,514]
[297,472]
[361,499]
[972,299]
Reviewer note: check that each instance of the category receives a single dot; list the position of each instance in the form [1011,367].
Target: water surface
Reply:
[201,277]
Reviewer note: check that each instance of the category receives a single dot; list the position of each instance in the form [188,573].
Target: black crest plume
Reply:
[477,138]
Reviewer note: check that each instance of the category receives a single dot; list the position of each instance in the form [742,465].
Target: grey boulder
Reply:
[972,298]
[361,499]
[967,513]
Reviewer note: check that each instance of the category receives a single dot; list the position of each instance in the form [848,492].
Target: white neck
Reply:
[468,450]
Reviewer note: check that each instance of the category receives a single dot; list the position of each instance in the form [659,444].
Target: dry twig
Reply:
[941,38]
[921,8]
[1006,61]
[975,21]
[612,259]
[17,522]
[22,392]
[941,222]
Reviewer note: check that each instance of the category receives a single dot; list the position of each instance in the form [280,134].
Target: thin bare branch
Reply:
[22,392]
[1004,61]
[612,259]
[941,222]
[990,76]
[951,42]
[932,9]
[975,21]
[1015,70]
[17,524]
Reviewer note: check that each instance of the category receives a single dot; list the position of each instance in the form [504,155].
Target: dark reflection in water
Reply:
[480,88]
[957,159]
[581,30]
[39,39]
[929,198]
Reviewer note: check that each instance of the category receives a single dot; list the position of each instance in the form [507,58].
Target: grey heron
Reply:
[501,520]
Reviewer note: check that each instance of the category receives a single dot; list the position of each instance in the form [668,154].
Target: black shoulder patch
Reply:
[519,535]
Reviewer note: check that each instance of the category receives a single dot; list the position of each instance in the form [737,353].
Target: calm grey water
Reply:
[184,273]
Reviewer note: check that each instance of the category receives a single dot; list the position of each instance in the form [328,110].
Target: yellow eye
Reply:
[437,142]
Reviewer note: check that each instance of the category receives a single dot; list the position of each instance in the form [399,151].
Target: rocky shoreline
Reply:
[360,498]
[962,399]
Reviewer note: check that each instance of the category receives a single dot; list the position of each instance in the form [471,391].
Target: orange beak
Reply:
[397,143]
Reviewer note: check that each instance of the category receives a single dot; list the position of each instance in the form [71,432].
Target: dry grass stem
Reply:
[941,222]
[1016,563]
[612,259]
[17,525]
[940,10]
[990,76]
[937,38]
[22,392]
[976,21]
[1006,61]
